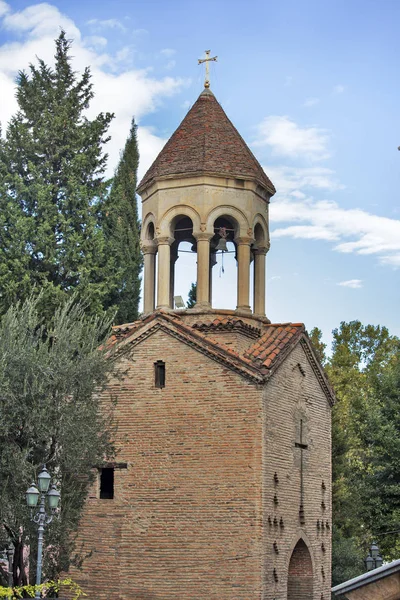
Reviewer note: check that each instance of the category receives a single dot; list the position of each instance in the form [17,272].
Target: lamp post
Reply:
[42,518]
[374,560]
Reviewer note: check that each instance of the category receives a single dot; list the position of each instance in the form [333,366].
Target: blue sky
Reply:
[314,89]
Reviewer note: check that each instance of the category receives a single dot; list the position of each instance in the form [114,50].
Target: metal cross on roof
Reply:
[206,60]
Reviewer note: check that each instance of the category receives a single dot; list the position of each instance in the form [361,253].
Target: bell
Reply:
[221,245]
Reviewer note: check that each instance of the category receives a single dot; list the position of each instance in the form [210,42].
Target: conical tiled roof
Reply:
[207,142]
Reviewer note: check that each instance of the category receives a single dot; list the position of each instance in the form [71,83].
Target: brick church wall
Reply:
[292,395]
[186,518]
[199,513]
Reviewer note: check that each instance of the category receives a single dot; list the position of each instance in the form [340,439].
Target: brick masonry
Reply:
[208,506]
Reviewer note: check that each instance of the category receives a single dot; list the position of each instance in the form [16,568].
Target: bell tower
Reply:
[207,188]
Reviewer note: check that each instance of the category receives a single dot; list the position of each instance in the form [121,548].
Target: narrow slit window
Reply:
[159,374]
[107,484]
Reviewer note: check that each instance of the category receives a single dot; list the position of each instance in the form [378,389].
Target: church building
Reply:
[221,489]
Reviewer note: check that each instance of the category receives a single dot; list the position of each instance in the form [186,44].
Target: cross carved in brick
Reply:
[303,446]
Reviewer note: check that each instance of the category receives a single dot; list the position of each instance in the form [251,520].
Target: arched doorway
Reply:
[300,576]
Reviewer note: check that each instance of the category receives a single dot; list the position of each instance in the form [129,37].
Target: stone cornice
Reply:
[209,179]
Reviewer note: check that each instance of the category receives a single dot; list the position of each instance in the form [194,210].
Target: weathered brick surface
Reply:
[292,395]
[194,515]
[300,576]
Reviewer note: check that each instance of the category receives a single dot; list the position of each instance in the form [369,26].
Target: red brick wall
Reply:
[186,518]
[197,512]
[300,577]
[294,394]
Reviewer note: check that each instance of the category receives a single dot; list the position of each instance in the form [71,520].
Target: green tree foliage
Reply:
[360,369]
[50,413]
[192,296]
[121,226]
[52,166]
[318,345]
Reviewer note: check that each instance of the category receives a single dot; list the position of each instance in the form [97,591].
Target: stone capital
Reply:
[261,251]
[148,246]
[164,240]
[244,241]
[202,236]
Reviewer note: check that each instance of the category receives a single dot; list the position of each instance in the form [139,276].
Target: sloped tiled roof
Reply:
[274,343]
[258,362]
[207,142]
[223,323]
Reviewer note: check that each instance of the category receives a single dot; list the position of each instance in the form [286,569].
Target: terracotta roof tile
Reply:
[207,142]
[275,340]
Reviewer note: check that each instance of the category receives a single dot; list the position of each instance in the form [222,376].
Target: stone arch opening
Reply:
[149,249]
[258,252]
[259,235]
[223,265]
[150,231]
[300,574]
[184,248]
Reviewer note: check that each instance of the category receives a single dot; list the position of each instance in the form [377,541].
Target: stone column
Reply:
[259,281]
[243,279]
[149,249]
[164,264]
[173,259]
[203,269]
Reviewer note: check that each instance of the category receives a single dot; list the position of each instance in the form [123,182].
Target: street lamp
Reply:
[42,518]
[374,560]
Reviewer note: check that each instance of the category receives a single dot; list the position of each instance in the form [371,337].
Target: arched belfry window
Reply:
[223,264]
[184,247]
[300,576]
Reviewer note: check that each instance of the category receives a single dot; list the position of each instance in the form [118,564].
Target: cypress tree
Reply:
[52,168]
[122,228]
[192,296]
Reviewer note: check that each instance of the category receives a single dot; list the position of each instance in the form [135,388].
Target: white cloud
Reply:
[311,102]
[292,179]
[39,20]
[98,24]
[119,88]
[393,259]
[149,145]
[311,232]
[356,230]
[4,8]
[97,42]
[352,283]
[286,138]
[168,52]
[339,89]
